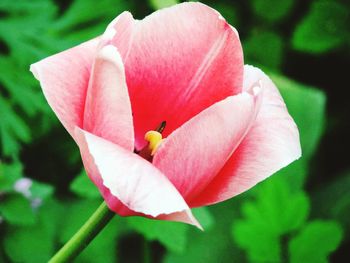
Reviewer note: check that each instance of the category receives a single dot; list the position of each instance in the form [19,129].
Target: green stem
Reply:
[85,234]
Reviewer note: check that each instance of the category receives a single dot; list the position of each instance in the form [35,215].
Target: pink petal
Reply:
[179,61]
[64,79]
[183,216]
[119,33]
[135,182]
[108,109]
[271,144]
[194,153]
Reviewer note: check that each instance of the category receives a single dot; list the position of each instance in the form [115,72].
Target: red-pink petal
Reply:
[107,108]
[271,144]
[180,60]
[64,79]
[194,153]
[135,182]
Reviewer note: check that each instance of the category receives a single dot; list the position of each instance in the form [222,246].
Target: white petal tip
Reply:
[109,34]
[33,69]
[110,53]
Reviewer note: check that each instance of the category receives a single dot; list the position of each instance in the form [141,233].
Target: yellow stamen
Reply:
[154,139]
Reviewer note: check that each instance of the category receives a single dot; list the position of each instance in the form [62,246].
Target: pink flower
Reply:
[227,127]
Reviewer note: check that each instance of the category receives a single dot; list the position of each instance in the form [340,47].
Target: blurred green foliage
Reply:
[277,221]
[324,28]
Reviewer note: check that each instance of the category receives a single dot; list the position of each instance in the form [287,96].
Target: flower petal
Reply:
[183,216]
[271,144]
[182,59]
[64,79]
[135,182]
[107,108]
[119,33]
[194,153]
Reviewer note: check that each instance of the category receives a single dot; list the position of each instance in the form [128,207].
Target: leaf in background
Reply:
[324,28]
[13,130]
[307,107]
[172,235]
[264,48]
[261,245]
[159,4]
[103,248]
[31,18]
[213,245]
[41,190]
[85,19]
[9,174]
[272,10]
[333,200]
[315,242]
[276,211]
[16,210]
[229,11]
[35,243]
[30,245]
[29,99]
[82,186]
[204,216]
[77,212]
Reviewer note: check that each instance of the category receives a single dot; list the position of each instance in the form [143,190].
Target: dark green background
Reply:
[301,214]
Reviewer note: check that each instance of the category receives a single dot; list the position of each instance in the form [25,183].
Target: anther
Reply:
[154,139]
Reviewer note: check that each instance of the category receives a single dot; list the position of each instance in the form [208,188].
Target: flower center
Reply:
[154,139]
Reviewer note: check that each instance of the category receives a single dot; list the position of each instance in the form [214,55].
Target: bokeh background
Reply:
[301,214]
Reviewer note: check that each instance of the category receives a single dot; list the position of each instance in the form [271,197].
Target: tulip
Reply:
[166,115]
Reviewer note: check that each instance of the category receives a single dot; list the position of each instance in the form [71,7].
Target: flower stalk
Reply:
[85,235]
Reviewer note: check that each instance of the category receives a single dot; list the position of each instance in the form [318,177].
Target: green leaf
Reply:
[101,249]
[77,212]
[104,246]
[214,244]
[34,7]
[41,190]
[13,130]
[172,235]
[278,207]
[338,206]
[9,174]
[307,107]
[16,210]
[315,242]
[83,14]
[276,211]
[261,245]
[324,28]
[82,186]
[229,11]
[272,10]
[159,4]
[35,243]
[28,245]
[264,48]
[204,217]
